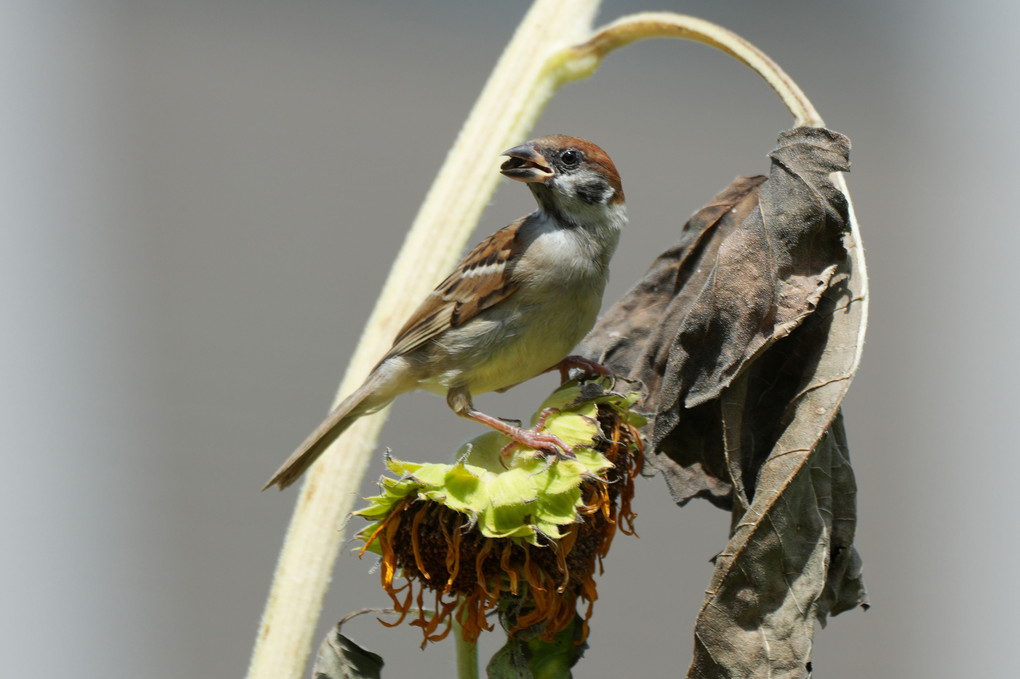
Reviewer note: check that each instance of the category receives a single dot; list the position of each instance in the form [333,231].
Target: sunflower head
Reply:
[505,526]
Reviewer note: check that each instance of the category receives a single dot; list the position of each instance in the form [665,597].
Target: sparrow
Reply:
[512,309]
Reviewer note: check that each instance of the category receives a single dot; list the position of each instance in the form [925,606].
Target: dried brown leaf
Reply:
[634,339]
[746,335]
[341,658]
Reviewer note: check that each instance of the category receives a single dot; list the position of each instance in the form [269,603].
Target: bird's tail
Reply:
[364,401]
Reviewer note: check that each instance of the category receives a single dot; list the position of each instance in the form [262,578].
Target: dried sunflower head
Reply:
[513,527]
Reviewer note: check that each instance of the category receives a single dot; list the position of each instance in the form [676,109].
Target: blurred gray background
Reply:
[201,200]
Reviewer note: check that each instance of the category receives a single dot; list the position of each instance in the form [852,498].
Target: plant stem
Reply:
[467,653]
[582,60]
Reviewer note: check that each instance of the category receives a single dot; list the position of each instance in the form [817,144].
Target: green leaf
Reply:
[526,656]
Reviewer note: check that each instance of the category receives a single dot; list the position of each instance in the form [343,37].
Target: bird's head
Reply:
[568,175]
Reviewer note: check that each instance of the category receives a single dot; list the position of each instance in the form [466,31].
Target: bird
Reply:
[512,309]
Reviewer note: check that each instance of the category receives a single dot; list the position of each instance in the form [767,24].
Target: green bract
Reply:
[520,494]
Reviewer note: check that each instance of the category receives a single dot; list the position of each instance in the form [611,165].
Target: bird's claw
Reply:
[548,444]
[589,367]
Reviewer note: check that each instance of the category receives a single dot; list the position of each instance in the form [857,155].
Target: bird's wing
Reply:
[482,279]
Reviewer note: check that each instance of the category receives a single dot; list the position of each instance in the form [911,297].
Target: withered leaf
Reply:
[634,339]
[748,268]
[341,658]
[746,335]
[768,274]
[788,563]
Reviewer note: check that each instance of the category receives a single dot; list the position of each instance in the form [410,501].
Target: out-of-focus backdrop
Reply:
[200,201]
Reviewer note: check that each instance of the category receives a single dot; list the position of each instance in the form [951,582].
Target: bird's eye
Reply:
[570,157]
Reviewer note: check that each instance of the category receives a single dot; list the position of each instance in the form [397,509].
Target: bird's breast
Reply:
[517,339]
[559,281]
[510,344]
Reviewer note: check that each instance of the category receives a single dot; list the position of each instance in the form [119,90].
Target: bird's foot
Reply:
[550,445]
[543,416]
[589,367]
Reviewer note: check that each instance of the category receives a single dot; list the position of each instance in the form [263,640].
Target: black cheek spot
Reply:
[593,192]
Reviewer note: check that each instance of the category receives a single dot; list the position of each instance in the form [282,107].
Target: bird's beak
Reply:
[526,165]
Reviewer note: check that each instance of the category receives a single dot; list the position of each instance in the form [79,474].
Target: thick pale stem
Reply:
[514,97]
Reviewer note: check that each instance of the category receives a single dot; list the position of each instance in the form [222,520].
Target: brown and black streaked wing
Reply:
[481,280]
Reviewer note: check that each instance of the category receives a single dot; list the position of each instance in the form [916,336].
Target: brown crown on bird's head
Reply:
[571,166]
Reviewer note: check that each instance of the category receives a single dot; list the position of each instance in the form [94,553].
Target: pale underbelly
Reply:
[493,353]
